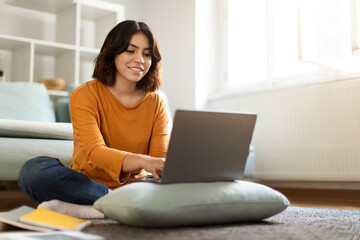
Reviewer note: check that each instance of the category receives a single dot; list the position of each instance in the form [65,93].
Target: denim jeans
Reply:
[46,178]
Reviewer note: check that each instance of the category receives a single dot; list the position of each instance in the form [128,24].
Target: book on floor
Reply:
[46,218]
[63,235]
[41,219]
[12,218]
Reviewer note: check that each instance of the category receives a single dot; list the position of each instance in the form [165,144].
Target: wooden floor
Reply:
[323,198]
[11,197]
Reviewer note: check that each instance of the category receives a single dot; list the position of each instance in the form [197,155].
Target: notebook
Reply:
[53,220]
[42,220]
[12,218]
[206,146]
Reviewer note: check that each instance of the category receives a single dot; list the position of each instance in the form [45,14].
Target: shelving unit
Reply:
[64,47]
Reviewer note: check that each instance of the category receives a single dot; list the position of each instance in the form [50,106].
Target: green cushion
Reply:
[25,101]
[188,204]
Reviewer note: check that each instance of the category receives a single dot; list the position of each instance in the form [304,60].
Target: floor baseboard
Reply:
[334,185]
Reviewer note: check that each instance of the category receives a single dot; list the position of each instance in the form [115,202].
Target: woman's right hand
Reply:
[134,162]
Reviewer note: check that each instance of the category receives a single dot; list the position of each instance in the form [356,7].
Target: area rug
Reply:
[294,223]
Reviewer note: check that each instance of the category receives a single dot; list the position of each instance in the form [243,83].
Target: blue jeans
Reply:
[46,178]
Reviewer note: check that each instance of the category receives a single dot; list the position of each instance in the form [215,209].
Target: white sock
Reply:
[71,209]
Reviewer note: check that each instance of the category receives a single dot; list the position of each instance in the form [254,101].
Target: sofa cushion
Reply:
[25,101]
[31,129]
[187,204]
[15,152]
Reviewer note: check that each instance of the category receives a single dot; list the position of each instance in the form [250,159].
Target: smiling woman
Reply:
[124,42]
[121,127]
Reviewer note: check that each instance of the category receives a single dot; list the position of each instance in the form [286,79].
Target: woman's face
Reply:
[133,64]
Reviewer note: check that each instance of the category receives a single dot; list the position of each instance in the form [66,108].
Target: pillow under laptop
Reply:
[190,204]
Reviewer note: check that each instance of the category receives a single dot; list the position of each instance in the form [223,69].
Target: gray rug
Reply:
[294,223]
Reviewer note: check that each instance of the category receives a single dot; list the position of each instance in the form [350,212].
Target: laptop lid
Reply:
[208,146]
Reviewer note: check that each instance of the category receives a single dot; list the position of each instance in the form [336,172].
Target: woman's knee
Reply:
[36,169]
[45,178]
[36,175]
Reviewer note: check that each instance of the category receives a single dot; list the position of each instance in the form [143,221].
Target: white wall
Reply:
[173,23]
[207,51]
[308,133]
[187,32]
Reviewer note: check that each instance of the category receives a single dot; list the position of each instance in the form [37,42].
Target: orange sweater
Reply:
[105,131]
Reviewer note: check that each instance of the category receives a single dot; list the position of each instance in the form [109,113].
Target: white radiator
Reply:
[312,133]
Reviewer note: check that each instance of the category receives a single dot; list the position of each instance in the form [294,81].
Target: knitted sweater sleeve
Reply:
[89,140]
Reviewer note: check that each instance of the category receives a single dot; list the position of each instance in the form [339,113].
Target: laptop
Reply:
[206,146]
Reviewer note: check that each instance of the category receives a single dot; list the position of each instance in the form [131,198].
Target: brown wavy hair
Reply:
[116,42]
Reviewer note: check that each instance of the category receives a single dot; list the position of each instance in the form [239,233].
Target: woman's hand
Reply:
[134,162]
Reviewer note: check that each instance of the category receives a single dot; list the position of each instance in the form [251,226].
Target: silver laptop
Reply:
[206,147]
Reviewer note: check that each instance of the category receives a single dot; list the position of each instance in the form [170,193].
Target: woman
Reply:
[120,127]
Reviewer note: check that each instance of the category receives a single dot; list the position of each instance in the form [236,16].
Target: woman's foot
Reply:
[71,209]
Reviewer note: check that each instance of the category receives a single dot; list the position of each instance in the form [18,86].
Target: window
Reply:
[276,42]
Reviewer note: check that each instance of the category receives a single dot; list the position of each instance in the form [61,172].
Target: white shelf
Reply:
[58,93]
[91,51]
[71,39]
[51,6]
[98,4]
[11,43]
[55,6]
[52,49]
